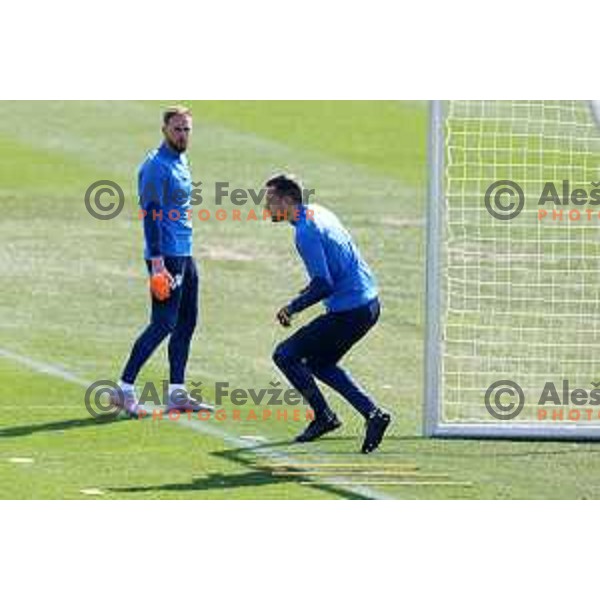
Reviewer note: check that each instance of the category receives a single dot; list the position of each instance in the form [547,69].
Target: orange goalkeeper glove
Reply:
[161,281]
[160,285]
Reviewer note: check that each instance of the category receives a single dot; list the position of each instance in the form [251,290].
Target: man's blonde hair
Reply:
[171,111]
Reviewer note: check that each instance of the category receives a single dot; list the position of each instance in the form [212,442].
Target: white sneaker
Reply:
[126,399]
[180,399]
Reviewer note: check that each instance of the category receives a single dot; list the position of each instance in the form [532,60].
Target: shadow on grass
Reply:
[21,430]
[256,475]
[213,481]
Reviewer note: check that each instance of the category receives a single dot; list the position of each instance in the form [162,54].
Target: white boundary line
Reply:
[62,373]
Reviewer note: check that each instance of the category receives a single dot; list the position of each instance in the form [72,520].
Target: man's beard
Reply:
[181,148]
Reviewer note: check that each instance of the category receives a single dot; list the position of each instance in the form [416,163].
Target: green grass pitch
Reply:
[74,297]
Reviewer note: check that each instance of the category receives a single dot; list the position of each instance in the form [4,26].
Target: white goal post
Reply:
[512,345]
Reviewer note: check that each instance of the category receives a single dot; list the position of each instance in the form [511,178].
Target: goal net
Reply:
[513,270]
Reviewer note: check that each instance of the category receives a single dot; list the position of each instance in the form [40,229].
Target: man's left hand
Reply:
[284,317]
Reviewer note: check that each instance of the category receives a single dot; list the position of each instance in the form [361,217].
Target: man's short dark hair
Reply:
[286,186]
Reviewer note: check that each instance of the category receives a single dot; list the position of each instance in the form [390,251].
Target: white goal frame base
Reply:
[524,431]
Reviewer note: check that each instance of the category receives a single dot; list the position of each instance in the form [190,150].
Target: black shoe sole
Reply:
[331,428]
[376,436]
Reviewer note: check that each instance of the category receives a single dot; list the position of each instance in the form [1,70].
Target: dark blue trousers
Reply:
[314,351]
[177,318]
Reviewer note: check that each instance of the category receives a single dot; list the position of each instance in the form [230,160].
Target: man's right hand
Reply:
[161,280]
[158,265]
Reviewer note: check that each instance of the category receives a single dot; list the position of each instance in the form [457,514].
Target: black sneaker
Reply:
[377,422]
[318,428]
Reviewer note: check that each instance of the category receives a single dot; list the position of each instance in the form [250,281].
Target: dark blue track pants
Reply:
[177,318]
[314,351]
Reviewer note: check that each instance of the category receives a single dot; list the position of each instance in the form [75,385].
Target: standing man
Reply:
[343,281]
[164,188]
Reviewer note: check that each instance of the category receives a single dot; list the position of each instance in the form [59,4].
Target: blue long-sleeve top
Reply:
[338,274]
[164,189]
